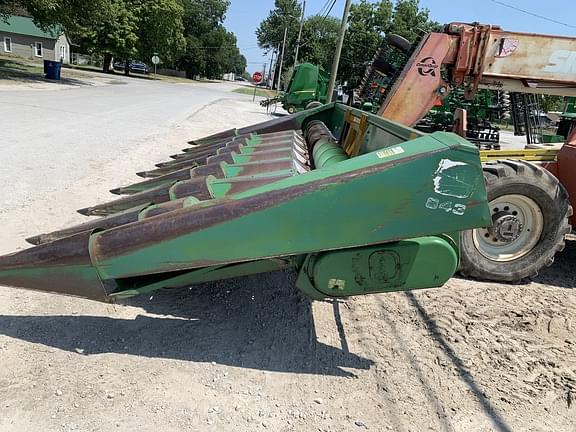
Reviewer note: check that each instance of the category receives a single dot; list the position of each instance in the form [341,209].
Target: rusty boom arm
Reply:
[480,56]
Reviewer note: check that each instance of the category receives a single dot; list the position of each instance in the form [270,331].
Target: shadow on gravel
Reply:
[498,422]
[24,77]
[563,272]
[258,322]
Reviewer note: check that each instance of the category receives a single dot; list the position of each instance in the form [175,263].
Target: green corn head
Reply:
[355,203]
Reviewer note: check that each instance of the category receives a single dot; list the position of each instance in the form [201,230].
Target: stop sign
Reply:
[257,77]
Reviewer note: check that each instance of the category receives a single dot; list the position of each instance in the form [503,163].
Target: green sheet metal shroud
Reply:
[352,216]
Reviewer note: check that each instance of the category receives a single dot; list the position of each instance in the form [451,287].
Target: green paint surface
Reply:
[423,262]
[397,202]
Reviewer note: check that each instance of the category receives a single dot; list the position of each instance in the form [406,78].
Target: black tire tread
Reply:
[525,172]
[313,104]
[399,42]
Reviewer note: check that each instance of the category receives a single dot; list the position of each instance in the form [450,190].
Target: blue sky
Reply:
[244,16]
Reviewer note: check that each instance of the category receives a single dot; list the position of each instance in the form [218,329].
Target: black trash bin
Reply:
[52,69]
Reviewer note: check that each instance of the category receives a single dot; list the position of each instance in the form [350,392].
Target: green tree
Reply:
[111,33]
[209,47]
[125,29]
[74,16]
[223,56]
[408,20]
[201,16]
[188,34]
[237,63]
[370,22]
[160,29]
[11,7]
[365,34]
[193,61]
[318,43]
[270,33]
[551,103]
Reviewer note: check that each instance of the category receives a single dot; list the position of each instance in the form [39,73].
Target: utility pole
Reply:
[299,33]
[282,58]
[339,43]
[271,81]
[273,70]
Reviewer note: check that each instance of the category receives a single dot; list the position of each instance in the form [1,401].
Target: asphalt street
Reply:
[42,131]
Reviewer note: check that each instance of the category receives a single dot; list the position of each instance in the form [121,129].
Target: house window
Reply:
[38,49]
[7,44]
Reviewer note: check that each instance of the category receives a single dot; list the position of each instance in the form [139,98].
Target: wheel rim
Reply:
[291,110]
[517,226]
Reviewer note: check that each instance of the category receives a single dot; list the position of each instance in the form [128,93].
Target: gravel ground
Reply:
[253,354]
[50,138]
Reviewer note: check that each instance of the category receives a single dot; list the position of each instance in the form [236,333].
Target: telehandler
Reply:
[531,192]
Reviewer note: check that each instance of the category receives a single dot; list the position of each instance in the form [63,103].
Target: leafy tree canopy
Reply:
[367,26]
[270,33]
[185,33]
[318,44]
[210,49]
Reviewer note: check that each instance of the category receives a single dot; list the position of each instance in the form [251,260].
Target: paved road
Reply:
[77,126]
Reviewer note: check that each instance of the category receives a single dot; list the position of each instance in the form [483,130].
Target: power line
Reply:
[533,14]
[228,46]
[324,18]
[323,8]
[324,12]
[217,47]
[329,10]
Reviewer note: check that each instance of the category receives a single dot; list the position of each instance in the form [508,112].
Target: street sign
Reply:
[155,60]
[257,77]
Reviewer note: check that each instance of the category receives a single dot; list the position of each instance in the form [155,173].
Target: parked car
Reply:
[139,67]
[239,78]
[135,67]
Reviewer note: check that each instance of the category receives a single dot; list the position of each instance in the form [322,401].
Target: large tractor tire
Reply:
[384,67]
[530,212]
[399,42]
[313,104]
